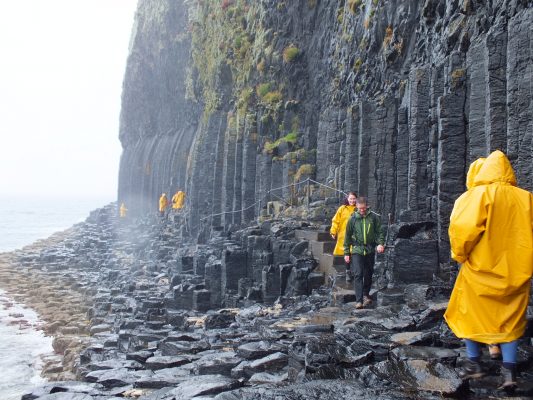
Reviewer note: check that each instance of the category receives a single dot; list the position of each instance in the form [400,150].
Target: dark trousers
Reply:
[362,268]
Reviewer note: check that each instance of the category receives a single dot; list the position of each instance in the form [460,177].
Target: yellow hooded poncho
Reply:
[163,202]
[472,172]
[491,234]
[338,227]
[178,200]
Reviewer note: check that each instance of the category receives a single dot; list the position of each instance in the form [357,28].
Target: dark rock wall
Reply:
[157,124]
[392,99]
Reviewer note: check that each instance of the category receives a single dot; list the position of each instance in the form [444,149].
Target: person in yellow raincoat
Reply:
[178,200]
[494,349]
[491,234]
[122,210]
[163,203]
[338,227]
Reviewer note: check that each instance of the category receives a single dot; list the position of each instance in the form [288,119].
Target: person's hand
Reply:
[380,248]
[333,236]
[346,259]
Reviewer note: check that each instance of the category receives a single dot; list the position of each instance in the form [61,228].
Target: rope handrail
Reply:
[329,187]
[269,191]
[257,202]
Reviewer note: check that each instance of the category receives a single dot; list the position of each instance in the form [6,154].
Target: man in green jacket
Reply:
[364,236]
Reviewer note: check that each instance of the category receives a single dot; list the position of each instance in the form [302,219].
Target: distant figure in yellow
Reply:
[491,235]
[163,203]
[122,210]
[178,200]
[338,227]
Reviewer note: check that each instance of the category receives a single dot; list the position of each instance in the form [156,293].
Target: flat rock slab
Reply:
[71,387]
[317,390]
[254,350]
[174,348]
[423,375]
[160,362]
[265,377]
[201,385]
[114,364]
[412,338]
[112,378]
[66,396]
[424,353]
[140,356]
[167,377]
[100,328]
[271,362]
[386,318]
[217,363]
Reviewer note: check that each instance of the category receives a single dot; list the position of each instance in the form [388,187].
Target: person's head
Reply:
[361,205]
[350,199]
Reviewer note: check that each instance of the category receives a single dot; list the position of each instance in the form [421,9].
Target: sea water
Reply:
[24,219]
[22,344]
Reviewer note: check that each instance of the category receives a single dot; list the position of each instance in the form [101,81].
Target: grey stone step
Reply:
[329,260]
[319,248]
[343,296]
[313,235]
[341,283]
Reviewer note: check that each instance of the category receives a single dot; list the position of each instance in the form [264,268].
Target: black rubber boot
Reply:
[508,372]
[471,370]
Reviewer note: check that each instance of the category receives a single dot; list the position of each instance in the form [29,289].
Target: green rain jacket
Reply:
[363,234]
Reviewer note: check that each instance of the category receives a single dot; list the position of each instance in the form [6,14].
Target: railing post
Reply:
[308,189]
[259,211]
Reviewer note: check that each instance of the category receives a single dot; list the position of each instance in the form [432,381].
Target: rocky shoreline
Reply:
[57,301]
[138,310]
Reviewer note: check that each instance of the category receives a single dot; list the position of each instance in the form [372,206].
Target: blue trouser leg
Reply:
[472,349]
[363,268]
[509,351]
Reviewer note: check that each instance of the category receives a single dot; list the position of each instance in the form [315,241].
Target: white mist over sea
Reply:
[24,220]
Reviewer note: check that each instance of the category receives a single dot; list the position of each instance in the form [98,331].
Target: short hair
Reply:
[360,200]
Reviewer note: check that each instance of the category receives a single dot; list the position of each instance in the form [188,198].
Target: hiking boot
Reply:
[509,379]
[471,370]
[358,305]
[366,301]
[495,352]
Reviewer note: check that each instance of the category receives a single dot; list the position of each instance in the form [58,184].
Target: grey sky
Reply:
[61,69]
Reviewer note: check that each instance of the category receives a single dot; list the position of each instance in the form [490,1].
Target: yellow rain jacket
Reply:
[163,202]
[122,210]
[491,234]
[338,227]
[178,199]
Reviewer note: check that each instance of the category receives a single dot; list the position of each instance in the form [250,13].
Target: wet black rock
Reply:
[198,386]
[219,320]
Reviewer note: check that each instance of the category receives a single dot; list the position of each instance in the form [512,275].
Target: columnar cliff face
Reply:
[393,99]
